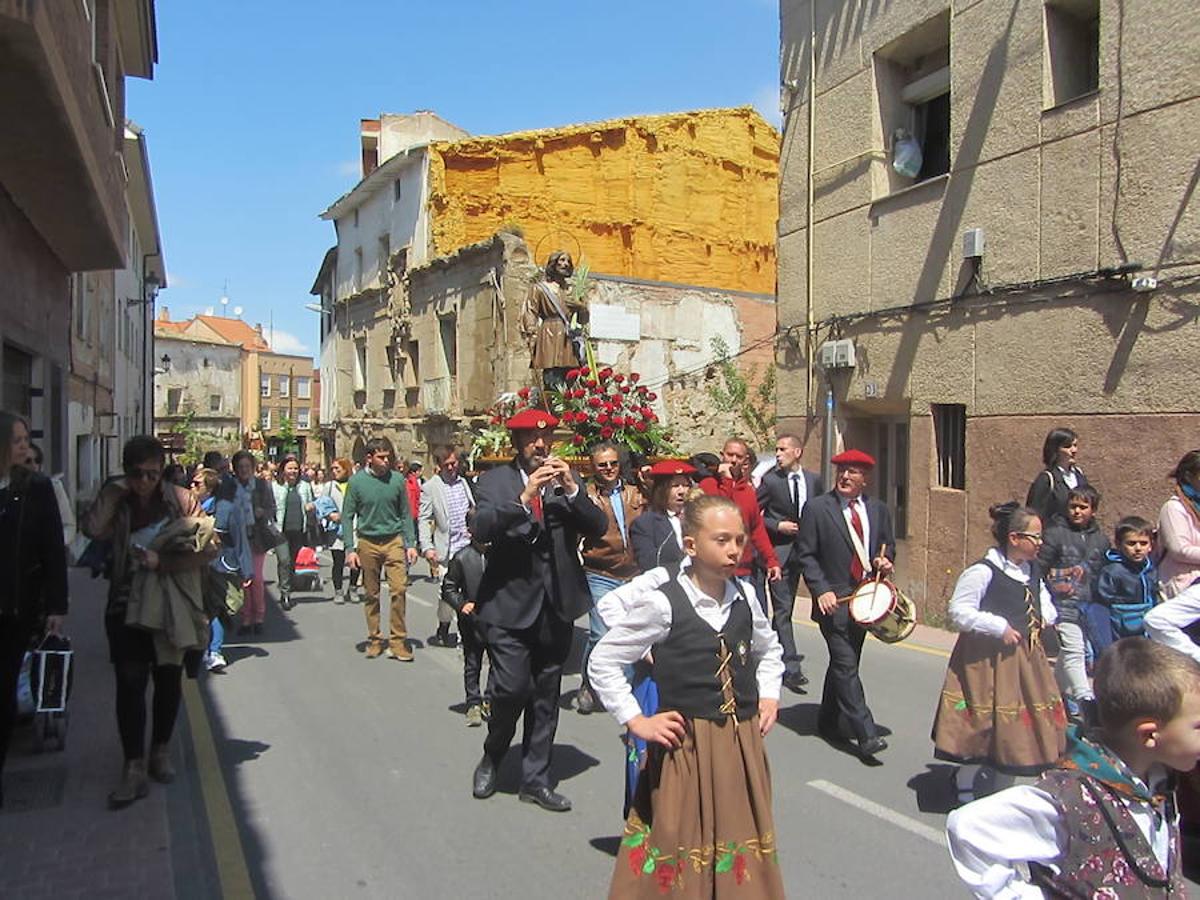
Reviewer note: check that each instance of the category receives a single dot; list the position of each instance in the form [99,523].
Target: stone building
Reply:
[1035,266]
[674,214]
[70,184]
[199,388]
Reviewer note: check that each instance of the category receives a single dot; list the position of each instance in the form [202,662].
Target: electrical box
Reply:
[837,355]
[973,243]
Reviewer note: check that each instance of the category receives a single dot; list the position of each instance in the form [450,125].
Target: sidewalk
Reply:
[57,836]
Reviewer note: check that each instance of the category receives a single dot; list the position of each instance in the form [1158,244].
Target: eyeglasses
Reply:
[606,465]
[1036,538]
[147,474]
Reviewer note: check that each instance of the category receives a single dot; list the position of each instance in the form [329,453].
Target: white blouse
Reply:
[965,614]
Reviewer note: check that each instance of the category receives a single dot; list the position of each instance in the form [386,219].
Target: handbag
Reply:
[267,534]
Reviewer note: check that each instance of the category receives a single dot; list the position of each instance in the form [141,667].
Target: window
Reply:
[890,480]
[396,191]
[360,366]
[358,268]
[356,218]
[385,250]
[912,82]
[264,419]
[303,418]
[174,396]
[285,386]
[303,387]
[79,298]
[214,403]
[950,435]
[448,329]
[412,375]
[266,386]
[18,381]
[1071,61]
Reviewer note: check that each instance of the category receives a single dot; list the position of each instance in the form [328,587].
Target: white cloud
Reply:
[766,101]
[349,168]
[175,280]
[286,342]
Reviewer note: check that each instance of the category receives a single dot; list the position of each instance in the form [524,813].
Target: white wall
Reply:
[199,370]
[399,132]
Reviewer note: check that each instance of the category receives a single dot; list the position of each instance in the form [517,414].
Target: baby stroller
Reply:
[307,571]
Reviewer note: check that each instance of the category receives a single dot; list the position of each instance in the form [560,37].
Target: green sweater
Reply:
[381,508]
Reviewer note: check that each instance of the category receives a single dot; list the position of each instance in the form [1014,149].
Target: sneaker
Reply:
[287,602]
[214,662]
[474,715]
[374,650]
[339,597]
[401,654]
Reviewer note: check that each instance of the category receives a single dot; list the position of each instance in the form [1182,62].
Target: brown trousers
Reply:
[378,558]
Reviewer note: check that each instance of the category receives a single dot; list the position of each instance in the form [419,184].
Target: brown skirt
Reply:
[1000,706]
[701,823]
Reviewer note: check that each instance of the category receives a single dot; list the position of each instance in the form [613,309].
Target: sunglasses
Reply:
[1036,538]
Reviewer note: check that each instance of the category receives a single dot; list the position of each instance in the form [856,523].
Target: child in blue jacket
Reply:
[1126,586]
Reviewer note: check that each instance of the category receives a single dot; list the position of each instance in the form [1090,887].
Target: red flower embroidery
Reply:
[602,418]
[618,378]
[652,396]
[585,370]
[665,875]
[606,432]
[625,389]
[523,393]
[572,374]
[634,377]
[577,440]
[637,856]
[595,402]
[739,867]
[639,426]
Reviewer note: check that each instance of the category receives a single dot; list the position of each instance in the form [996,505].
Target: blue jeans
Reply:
[218,637]
[599,585]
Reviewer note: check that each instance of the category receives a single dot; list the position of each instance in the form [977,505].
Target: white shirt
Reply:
[1070,476]
[989,838]
[765,466]
[614,605]
[965,614]
[647,620]
[677,525]
[798,487]
[1165,623]
[862,517]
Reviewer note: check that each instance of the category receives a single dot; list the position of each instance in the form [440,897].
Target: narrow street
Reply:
[352,777]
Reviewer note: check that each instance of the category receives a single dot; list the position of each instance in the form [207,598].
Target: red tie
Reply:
[536,506]
[856,566]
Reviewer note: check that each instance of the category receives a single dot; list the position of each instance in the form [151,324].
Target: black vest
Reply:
[1011,599]
[686,660]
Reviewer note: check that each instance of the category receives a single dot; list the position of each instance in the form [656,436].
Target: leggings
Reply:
[339,563]
[132,680]
[254,610]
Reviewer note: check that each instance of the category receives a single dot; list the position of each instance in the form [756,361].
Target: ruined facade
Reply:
[1060,131]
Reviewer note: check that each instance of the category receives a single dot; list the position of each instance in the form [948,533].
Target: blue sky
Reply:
[252,118]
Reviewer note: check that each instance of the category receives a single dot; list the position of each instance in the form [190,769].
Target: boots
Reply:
[161,769]
[133,785]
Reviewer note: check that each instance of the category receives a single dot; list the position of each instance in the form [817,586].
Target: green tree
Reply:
[287,434]
[747,395]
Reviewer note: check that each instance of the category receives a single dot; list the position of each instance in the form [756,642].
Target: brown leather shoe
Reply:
[133,786]
[374,649]
[160,767]
[400,652]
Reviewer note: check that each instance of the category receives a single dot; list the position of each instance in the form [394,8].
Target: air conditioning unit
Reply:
[837,354]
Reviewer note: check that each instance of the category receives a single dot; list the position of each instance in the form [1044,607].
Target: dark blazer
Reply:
[653,540]
[531,561]
[775,501]
[1048,493]
[464,573]
[34,558]
[824,548]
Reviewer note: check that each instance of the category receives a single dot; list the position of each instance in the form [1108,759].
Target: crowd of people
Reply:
[688,571]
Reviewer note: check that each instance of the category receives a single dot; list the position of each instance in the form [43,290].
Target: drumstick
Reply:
[882,552]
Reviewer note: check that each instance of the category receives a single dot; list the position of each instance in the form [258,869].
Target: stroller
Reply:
[307,571]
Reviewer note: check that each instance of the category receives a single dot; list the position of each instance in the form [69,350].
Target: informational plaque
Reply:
[613,323]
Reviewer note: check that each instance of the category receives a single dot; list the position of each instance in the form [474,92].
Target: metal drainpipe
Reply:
[827,444]
[810,336]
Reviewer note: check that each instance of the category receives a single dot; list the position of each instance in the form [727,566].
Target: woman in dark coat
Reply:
[34,564]
[656,535]
[1048,493]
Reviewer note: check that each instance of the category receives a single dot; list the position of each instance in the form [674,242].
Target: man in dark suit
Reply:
[782,494]
[841,537]
[532,512]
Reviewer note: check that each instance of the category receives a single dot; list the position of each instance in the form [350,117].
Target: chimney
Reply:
[258,328]
[164,314]
[369,137]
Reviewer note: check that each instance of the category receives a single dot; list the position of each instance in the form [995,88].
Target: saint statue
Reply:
[550,322]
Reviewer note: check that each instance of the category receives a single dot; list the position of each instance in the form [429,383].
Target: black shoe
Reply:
[545,798]
[287,602]
[256,628]
[795,683]
[483,783]
[871,746]
[585,701]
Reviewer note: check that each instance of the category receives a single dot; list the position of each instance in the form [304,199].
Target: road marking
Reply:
[232,870]
[920,829]
[903,645]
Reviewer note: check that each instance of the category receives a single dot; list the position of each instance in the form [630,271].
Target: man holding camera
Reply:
[532,512]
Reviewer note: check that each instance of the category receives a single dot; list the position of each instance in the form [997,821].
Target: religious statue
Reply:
[550,322]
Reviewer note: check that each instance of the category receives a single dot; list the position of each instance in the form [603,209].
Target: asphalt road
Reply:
[350,777]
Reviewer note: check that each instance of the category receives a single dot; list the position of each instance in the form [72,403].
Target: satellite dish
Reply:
[237,311]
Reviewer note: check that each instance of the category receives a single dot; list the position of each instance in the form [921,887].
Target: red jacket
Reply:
[743,494]
[413,483]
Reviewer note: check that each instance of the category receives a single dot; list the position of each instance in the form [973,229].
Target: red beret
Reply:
[672,467]
[854,458]
[528,419]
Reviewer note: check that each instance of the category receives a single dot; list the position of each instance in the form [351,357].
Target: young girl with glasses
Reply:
[1000,713]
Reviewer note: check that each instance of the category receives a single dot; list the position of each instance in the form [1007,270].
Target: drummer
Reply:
[845,539]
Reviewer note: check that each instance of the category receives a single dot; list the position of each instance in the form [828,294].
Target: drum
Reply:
[879,607]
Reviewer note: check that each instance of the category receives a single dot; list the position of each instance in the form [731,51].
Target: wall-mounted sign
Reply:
[613,323]
[870,388]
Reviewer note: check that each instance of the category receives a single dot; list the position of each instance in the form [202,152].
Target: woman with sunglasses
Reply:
[130,512]
[1000,712]
[34,563]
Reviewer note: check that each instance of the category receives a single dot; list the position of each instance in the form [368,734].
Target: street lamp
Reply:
[318,308]
[165,367]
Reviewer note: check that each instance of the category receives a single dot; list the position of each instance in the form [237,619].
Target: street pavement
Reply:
[308,771]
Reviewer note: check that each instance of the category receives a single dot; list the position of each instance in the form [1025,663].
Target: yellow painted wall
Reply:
[686,197]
